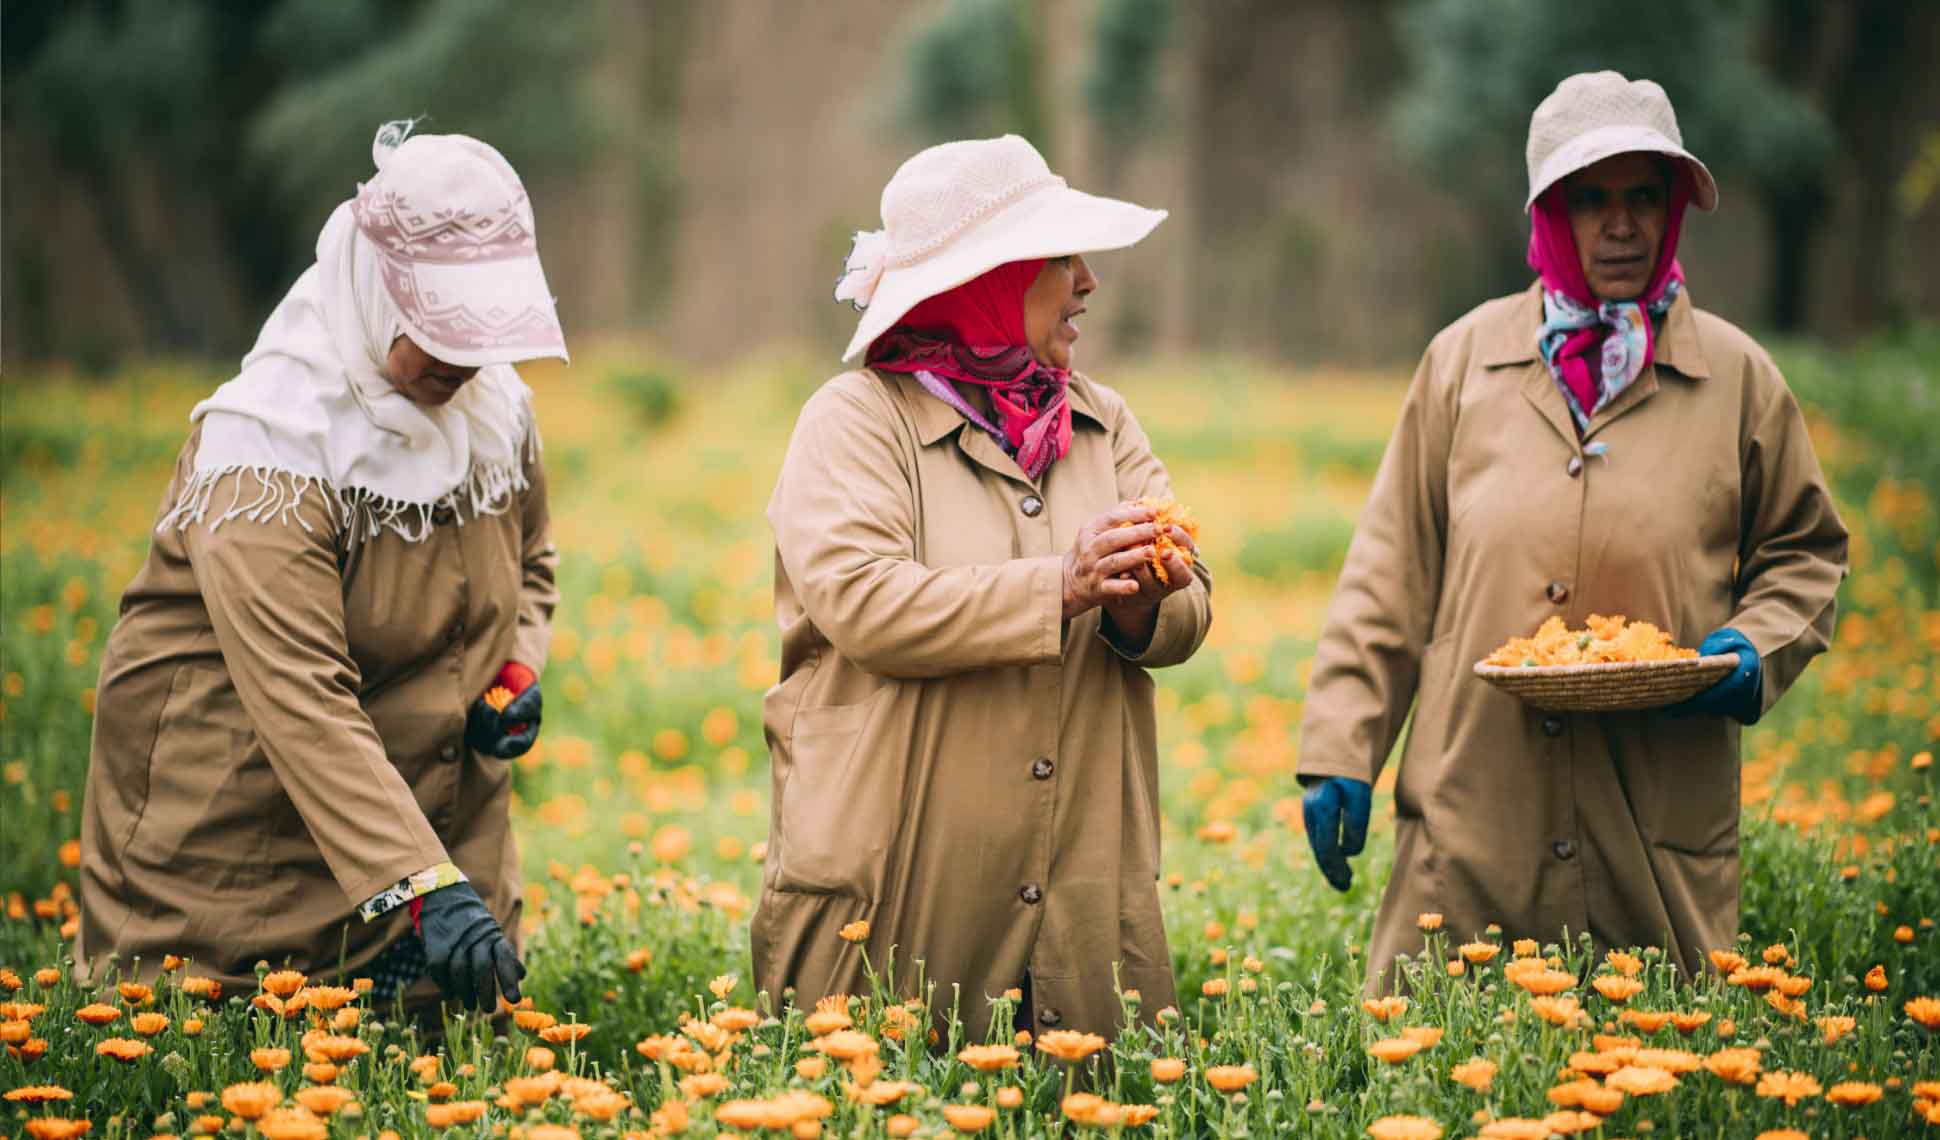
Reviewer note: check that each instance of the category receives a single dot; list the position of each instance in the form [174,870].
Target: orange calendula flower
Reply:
[318,1046]
[1091,1109]
[1213,987]
[1689,1023]
[283,983]
[1833,1028]
[1383,1008]
[1854,1094]
[1537,978]
[56,1128]
[324,1100]
[847,1045]
[1166,1070]
[134,993]
[1428,920]
[124,1049]
[1727,961]
[291,1124]
[16,1032]
[1669,1060]
[1627,964]
[565,1033]
[1618,988]
[811,1068]
[269,1060]
[1876,979]
[328,998]
[1924,1010]
[1757,979]
[1394,1050]
[969,1117]
[206,988]
[47,978]
[881,1094]
[1647,1020]
[1562,1011]
[825,1021]
[320,1072]
[854,932]
[251,1100]
[700,1086]
[723,985]
[1524,948]
[1477,1074]
[735,1019]
[1735,1066]
[1069,1044]
[1233,1078]
[1479,953]
[532,1020]
[1404,1128]
[37,1094]
[1638,1080]
[148,1024]
[96,1013]
[1788,1087]
[1427,1036]
[990,1058]
[442,1116]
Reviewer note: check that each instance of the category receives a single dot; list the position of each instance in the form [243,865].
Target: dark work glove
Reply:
[1335,809]
[465,950]
[509,732]
[1740,695]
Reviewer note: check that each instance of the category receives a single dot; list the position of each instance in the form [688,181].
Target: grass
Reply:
[641,815]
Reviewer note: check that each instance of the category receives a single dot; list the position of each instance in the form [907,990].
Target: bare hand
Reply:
[1151,591]
[1099,565]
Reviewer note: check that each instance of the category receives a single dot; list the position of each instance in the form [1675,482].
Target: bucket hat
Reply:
[960,209]
[1595,114]
[460,255]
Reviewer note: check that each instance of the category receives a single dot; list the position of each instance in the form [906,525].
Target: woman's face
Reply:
[1051,308]
[424,379]
[1617,212]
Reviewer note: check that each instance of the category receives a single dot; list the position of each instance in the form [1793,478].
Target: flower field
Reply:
[641,816]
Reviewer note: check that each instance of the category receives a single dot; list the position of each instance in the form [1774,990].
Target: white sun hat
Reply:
[1595,114]
[958,210]
[459,251]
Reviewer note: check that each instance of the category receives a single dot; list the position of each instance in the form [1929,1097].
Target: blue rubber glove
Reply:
[1335,809]
[1740,695]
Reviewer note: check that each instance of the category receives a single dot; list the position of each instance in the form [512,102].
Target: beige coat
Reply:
[951,765]
[279,733]
[1487,517]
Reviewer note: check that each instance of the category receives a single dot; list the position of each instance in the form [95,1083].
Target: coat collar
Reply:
[1511,339]
[936,419]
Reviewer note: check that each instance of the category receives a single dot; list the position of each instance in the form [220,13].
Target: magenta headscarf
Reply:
[1573,335]
[975,333]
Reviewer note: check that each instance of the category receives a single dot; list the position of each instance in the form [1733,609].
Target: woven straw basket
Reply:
[1611,686]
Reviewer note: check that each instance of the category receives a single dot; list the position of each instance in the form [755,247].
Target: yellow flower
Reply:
[1404,1128]
[1788,1087]
[1069,1044]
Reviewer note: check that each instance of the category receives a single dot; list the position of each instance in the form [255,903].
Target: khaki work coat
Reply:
[279,733]
[1489,515]
[952,764]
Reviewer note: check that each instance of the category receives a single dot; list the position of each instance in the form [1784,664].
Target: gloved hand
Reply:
[1335,809]
[1740,694]
[508,730]
[466,952]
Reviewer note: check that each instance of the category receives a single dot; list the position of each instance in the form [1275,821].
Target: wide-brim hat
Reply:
[1594,115]
[958,210]
[459,252]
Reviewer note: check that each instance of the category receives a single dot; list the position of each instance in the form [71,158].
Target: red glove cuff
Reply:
[516,677]
[417,913]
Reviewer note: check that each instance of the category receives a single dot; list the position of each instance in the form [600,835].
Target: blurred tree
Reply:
[1481,66]
[1121,86]
[973,71]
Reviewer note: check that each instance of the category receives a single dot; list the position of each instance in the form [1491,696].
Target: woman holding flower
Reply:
[970,601]
[1594,444]
[306,708]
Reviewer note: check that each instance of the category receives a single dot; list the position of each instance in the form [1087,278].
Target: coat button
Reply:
[1552,726]
[448,753]
[1049,1016]
[1557,592]
[1574,466]
[1564,849]
[1041,768]
[1031,505]
[1031,893]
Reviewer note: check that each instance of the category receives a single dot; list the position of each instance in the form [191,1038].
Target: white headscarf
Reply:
[312,411]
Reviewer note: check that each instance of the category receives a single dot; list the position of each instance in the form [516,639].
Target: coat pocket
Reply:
[211,792]
[839,803]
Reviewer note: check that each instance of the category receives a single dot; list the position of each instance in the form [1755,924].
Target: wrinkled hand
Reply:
[1151,591]
[510,732]
[1740,694]
[1336,810]
[466,952]
[1098,567]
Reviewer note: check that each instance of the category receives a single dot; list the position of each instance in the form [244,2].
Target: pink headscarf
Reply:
[1554,256]
[974,333]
